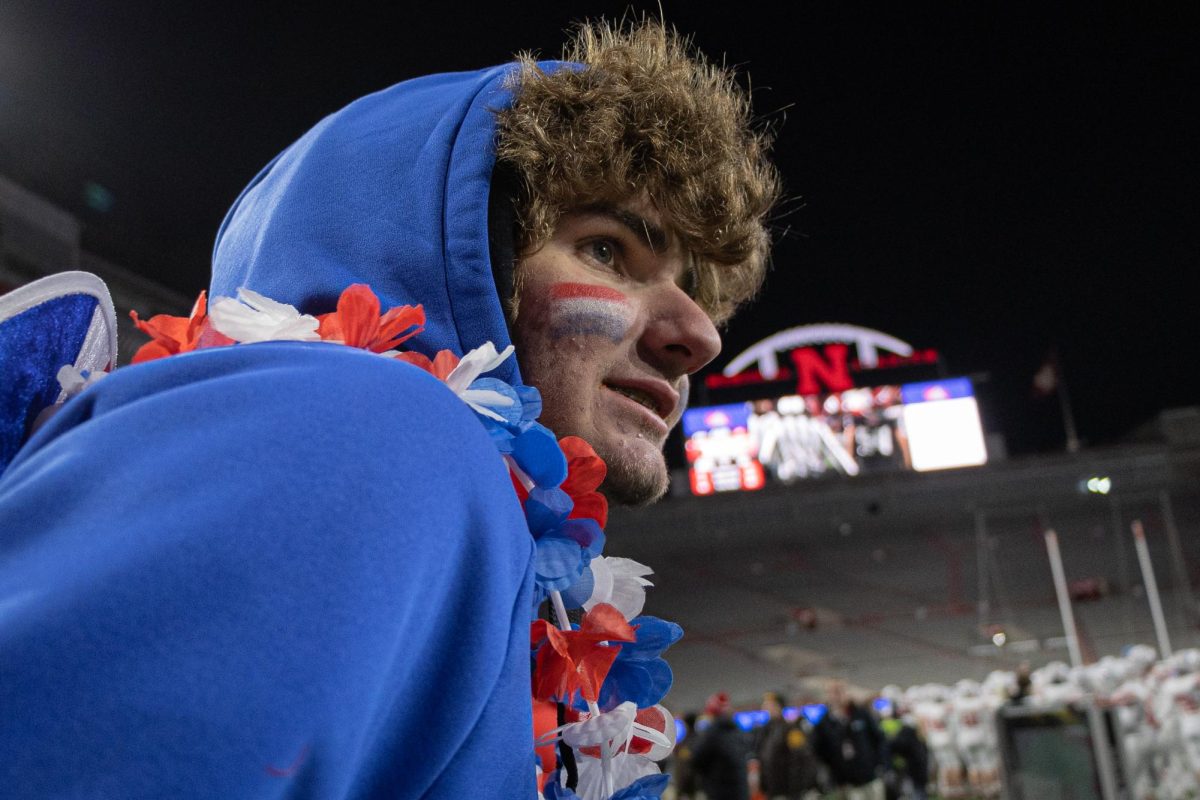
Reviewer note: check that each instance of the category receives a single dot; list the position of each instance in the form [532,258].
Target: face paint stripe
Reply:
[587,305]
[584,309]
[589,325]
[567,291]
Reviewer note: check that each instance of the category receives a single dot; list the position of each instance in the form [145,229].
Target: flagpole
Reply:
[1151,584]
[1064,403]
[1104,766]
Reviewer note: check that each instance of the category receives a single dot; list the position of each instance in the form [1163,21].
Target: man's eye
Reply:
[602,251]
[690,281]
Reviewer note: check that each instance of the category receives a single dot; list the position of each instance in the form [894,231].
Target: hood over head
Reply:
[392,191]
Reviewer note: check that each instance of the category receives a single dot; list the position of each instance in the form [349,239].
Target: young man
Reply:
[300,569]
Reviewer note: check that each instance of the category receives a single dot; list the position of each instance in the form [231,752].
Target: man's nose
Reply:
[679,338]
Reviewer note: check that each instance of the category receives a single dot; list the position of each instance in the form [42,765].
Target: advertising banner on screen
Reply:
[745,446]
[941,419]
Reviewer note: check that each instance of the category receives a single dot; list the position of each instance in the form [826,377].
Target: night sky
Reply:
[989,180]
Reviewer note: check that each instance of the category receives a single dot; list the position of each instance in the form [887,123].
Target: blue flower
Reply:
[640,674]
[648,788]
[581,590]
[564,547]
[556,791]
[512,408]
[537,453]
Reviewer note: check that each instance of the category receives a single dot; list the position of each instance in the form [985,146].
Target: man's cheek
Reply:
[584,310]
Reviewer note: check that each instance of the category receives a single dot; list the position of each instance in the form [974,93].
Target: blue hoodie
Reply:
[287,569]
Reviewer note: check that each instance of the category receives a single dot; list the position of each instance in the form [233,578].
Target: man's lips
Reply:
[656,396]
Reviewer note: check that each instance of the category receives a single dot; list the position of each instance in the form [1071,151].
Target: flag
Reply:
[1046,379]
[1049,380]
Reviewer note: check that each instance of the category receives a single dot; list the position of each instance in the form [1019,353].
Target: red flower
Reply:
[440,367]
[585,473]
[171,335]
[577,661]
[545,719]
[357,321]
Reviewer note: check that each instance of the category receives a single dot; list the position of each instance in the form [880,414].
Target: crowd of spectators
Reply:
[846,750]
[945,742]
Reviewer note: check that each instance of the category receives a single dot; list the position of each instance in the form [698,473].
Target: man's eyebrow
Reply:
[653,235]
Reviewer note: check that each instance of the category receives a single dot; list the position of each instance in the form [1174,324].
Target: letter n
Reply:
[814,372]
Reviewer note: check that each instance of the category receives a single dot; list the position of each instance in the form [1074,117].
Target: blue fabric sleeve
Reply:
[264,571]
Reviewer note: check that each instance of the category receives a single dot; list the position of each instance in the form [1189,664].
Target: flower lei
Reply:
[600,681]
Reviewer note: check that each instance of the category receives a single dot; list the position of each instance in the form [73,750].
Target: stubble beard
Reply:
[630,479]
[629,484]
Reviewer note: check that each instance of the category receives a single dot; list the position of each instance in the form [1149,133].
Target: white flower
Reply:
[662,742]
[625,770]
[613,728]
[254,318]
[620,582]
[484,400]
[480,360]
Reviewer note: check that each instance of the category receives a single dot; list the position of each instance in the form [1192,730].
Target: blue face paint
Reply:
[583,309]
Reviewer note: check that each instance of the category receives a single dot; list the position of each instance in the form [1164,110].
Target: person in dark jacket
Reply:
[721,754]
[682,773]
[789,767]
[849,741]
[907,758]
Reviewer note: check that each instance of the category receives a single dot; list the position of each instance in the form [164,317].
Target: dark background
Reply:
[987,179]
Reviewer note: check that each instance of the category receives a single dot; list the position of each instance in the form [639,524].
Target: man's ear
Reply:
[502,224]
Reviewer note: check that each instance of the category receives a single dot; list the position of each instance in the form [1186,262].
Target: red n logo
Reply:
[813,371]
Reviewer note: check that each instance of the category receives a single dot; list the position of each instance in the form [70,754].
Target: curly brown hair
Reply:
[645,115]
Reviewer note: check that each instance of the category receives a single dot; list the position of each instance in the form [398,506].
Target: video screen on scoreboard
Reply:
[918,426]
